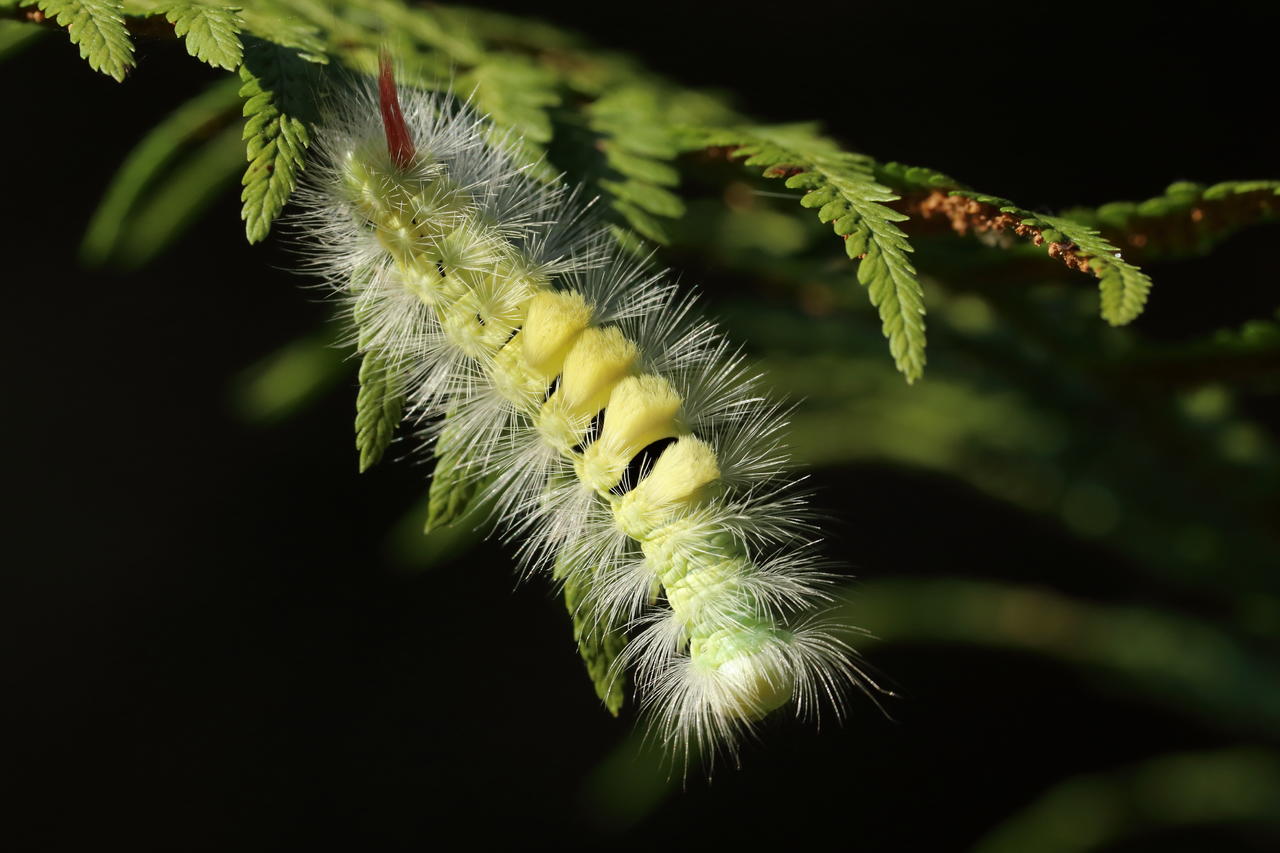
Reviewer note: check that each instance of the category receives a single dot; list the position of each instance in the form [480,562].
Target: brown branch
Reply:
[965,216]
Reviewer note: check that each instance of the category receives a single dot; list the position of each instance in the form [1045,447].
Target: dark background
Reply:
[213,645]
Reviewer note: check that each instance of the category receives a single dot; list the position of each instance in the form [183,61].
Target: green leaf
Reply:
[454,483]
[638,166]
[277,99]
[379,407]
[842,186]
[97,26]
[211,31]
[1188,219]
[380,400]
[599,644]
[279,24]
[646,196]
[1124,287]
[644,224]
[515,93]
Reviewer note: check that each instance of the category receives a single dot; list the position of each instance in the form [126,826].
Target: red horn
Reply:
[399,142]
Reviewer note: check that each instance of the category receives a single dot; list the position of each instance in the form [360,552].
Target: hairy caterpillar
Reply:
[626,441]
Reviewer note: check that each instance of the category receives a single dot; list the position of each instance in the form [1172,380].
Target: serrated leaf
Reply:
[211,32]
[454,484]
[642,222]
[896,294]
[277,97]
[97,26]
[1122,286]
[515,94]
[280,25]
[638,166]
[599,644]
[842,186]
[379,406]
[652,198]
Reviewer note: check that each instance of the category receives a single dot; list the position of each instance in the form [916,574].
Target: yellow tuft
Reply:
[554,321]
[597,361]
[513,379]
[641,410]
[679,478]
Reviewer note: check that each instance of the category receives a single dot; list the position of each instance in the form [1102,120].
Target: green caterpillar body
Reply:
[625,441]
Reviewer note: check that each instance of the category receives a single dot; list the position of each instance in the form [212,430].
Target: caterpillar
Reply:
[624,441]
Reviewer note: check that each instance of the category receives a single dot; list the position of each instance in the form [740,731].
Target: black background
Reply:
[211,648]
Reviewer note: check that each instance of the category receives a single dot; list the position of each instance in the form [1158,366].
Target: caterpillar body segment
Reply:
[625,439]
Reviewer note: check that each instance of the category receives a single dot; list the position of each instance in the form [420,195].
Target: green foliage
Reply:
[454,484]
[1164,655]
[279,22]
[14,37]
[535,82]
[1103,810]
[843,188]
[277,103]
[379,406]
[904,178]
[639,144]
[211,31]
[516,93]
[97,26]
[1123,286]
[1187,219]
[599,643]
[380,400]
[180,139]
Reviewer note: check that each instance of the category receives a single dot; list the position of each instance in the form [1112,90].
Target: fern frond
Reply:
[638,144]
[379,406]
[454,485]
[278,23]
[842,186]
[515,93]
[906,179]
[276,96]
[429,28]
[210,30]
[1187,219]
[97,26]
[599,644]
[1123,287]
